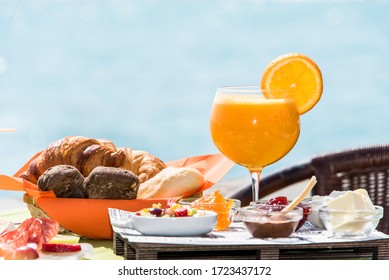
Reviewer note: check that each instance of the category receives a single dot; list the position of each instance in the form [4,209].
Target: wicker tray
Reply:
[37,212]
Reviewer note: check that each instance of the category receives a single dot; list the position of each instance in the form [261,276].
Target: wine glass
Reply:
[252,130]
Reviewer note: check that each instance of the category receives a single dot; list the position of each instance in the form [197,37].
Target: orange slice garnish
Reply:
[295,76]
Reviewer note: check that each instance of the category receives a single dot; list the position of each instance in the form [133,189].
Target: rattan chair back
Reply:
[364,167]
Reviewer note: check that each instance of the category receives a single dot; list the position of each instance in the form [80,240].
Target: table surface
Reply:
[366,250]
[236,243]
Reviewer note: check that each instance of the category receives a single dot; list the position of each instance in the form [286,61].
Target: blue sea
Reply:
[143,73]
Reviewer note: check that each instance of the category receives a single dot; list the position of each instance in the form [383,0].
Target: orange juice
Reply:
[254,131]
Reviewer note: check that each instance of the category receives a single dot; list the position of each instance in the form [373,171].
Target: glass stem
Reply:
[255,176]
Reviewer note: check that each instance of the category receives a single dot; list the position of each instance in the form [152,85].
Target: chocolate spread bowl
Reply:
[267,221]
[305,204]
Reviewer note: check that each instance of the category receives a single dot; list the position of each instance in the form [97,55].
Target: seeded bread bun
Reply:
[172,182]
[111,183]
[65,181]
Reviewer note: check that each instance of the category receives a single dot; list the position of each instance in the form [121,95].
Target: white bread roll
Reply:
[171,182]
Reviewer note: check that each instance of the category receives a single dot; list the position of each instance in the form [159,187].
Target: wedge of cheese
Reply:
[348,211]
[352,200]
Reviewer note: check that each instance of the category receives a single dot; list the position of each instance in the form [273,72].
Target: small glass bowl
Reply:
[225,215]
[305,204]
[350,223]
[267,221]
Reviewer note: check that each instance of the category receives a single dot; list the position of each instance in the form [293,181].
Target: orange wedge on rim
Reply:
[295,76]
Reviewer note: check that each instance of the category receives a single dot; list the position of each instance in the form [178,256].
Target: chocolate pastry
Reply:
[111,183]
[65,180]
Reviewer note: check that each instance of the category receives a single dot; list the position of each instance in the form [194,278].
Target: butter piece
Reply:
[366,198]
[353,202]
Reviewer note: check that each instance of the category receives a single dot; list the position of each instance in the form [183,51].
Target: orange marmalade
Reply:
[214,201]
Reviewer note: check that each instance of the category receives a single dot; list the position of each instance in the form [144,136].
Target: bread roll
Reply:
[172,182]
[65,181]
[111,183]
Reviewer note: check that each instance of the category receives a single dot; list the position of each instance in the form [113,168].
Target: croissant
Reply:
[86,153]
[143,164]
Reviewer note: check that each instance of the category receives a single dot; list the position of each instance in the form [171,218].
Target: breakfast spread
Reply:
[87,168]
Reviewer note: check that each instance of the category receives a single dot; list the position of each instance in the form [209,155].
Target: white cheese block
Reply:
[353,202]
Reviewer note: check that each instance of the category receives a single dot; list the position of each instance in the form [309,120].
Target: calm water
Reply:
[143,73]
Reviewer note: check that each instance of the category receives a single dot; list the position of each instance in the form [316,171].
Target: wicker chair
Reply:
[361,167]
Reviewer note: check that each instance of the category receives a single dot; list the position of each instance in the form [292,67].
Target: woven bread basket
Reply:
[37,212]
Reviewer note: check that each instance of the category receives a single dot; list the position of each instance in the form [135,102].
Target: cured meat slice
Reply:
[50,229]
[33,230]
[16,237]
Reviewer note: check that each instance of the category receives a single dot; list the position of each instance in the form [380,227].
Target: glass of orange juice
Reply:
[252,130]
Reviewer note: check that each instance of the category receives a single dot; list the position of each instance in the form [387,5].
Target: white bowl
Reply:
[315,220]
[201,223]
[318,202]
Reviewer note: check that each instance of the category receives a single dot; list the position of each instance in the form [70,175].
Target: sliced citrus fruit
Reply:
[296,76]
